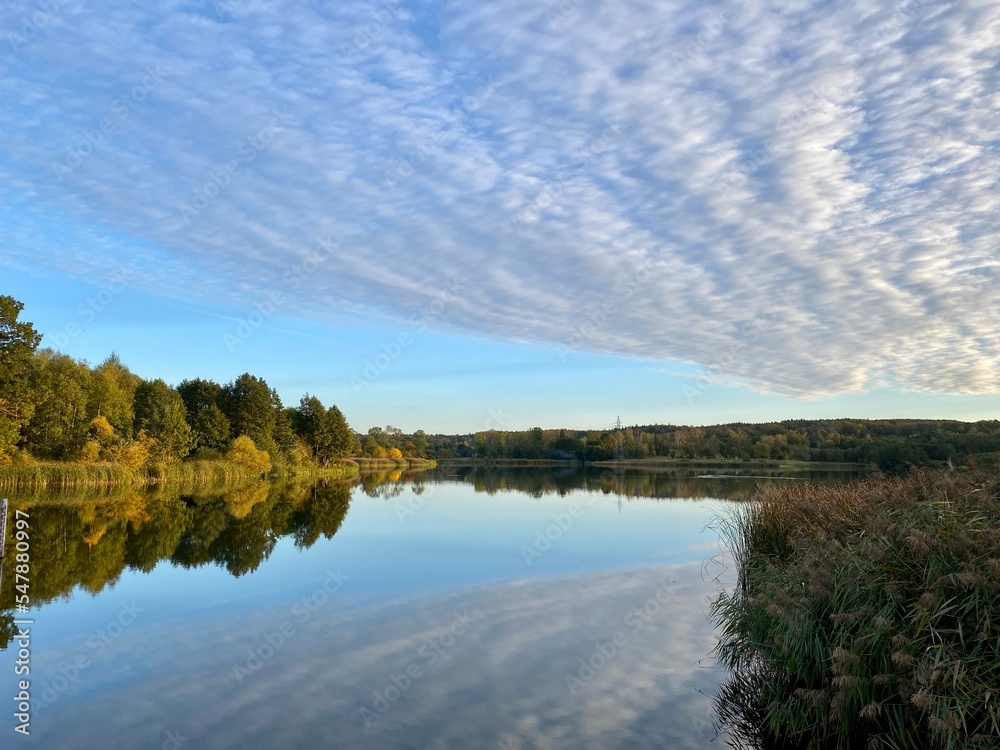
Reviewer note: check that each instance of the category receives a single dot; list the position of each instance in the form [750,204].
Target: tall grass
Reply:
[335,470]
[199,473]
[865,615]
[370,464]
[65,475]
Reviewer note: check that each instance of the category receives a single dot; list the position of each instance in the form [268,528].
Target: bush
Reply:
[866,615]
[101,430]
[91,451]
[134,455]
[244,453]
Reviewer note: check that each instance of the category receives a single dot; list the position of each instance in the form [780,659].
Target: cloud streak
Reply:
[840,155]
[484,686]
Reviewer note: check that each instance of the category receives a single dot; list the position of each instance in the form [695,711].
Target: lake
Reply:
[455,608]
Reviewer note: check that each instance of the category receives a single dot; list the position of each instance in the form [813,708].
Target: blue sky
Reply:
[466,215]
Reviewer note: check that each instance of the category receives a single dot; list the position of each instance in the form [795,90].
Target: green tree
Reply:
[372,448]
[321,429]
[112,392]
[18,342]
[392,437]
[285,440]
[59,425]
[160,414]
[248,405]
[211,429]
[420,443]
[342,439]
[308,416]
[198,394]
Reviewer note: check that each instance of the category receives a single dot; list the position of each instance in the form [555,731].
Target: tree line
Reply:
[55,407]
[891,444]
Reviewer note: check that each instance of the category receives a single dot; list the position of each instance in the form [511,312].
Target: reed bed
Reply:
[199,473]
[336,470]
[865,615]
[64,475]
[371,464]
[76,480]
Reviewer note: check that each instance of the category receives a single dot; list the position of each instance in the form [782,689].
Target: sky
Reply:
[459,216]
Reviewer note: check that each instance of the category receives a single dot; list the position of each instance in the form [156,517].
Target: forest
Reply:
[890,444]
[56,408]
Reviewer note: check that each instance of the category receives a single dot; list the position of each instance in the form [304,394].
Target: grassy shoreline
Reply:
[865,615]
[53,475]
[526,462]
[705,463]
[379,464]
[66,475]
[663,463]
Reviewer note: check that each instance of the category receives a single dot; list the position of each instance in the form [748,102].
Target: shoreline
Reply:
[862,611]
[658,463]
[69,475]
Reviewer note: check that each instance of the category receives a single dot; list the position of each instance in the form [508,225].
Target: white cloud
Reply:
[826,170]
[503,677]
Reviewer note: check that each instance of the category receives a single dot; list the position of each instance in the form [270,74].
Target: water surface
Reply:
[460,608]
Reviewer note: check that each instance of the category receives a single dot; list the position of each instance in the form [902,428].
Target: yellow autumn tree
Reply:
[244,452]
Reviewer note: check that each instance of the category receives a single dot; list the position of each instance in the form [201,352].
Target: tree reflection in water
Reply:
[89,543]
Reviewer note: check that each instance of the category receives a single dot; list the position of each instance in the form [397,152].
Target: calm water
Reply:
[453,609]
